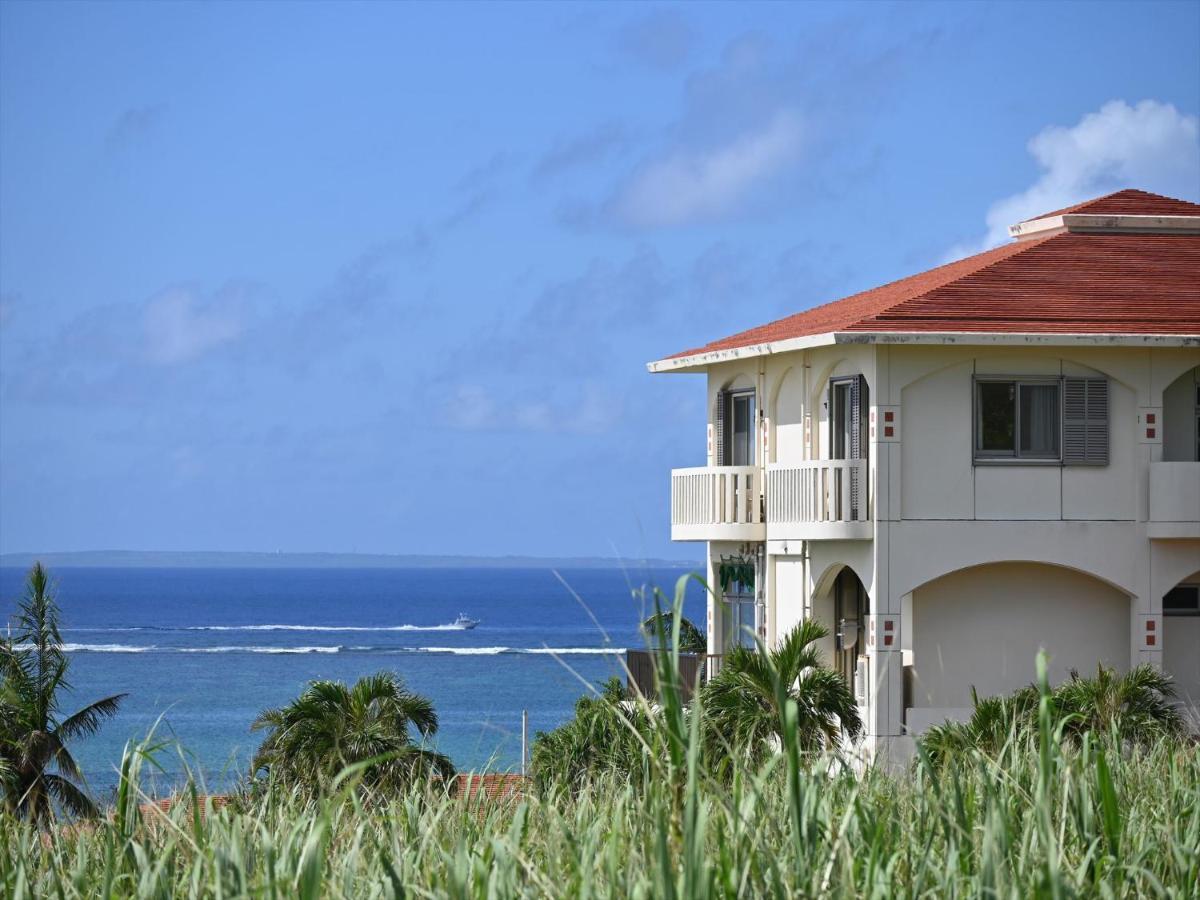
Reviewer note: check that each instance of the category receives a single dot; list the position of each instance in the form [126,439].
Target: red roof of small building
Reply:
[1060,283]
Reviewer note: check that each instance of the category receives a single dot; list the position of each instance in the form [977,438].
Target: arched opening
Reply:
[735,422]
[981,628]
[1181,418]
[842,607]
[1181,643]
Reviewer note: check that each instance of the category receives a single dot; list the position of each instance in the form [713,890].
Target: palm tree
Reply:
[691,638]
[331,726]
[608,735]
[1136,707]
[744,703]
[33,738]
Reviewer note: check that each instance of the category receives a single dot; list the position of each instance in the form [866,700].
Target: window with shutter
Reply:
[1085,421]
[720,427]
[848,405]
[858,442]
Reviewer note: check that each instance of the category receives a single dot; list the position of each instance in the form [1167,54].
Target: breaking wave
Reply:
[330,628]
[455,651]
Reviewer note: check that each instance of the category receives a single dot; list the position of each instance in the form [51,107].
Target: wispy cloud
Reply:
[588,408]
[1150,145]
[8,306]
[477,189]
[765,128]
[178,327]
[689,186]
[190,339]
[595,146]
[134,125]
[662,40]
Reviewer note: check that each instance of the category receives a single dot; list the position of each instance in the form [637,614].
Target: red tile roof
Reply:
[1129,202]
[1061,283]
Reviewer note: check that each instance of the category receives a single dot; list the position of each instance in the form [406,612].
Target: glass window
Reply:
[739,620]
[1039,420]
[743,429]
[841,421]
[1018,420]
[997,426]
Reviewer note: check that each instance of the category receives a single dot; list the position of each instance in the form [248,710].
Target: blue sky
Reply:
[384,277]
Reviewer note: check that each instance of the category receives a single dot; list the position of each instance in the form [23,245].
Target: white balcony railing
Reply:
[817,491]
[716,503]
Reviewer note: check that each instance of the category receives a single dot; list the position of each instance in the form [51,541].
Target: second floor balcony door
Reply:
[847,439]
[742,433]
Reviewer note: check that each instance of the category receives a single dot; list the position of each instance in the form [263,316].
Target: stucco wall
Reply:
[789,593]
[939,479]
[1181,656]
[983,627]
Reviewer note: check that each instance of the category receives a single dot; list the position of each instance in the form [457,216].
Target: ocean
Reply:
[200,652]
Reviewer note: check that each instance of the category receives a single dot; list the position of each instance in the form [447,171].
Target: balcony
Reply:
[1174,500]
[819,499]
[717,503]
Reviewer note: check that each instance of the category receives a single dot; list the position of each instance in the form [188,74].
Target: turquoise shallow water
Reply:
[202,651]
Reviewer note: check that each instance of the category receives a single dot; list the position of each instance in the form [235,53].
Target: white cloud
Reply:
[590,410]
[177,329]
[690,186]
[1152,146]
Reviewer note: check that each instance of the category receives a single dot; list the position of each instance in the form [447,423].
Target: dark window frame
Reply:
[982,457]
[735,395]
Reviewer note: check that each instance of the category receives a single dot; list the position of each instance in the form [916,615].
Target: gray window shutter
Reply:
[858,441]
[721,426]
[1085,421]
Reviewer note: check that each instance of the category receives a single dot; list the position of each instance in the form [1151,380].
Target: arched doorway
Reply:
[981,628]
[843,608]
[1181,643]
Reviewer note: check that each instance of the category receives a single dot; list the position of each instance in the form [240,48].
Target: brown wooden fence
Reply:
[694,668]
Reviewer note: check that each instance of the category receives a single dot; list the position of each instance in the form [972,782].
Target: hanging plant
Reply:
[736,570]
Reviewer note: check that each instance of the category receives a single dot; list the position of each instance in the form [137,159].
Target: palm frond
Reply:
[70,797]
[88,720]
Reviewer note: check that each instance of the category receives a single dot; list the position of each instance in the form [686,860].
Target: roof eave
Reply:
[697,362]
[1092,223]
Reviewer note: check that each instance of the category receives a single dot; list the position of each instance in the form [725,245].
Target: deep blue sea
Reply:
[208,649]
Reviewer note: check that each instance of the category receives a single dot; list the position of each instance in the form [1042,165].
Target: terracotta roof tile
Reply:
[1062,283]
[1130,202]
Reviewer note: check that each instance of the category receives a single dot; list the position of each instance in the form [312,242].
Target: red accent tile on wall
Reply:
[1150,624]
[1150,432]
[1149,418]
[1150,640]
[888,430]
[889,416]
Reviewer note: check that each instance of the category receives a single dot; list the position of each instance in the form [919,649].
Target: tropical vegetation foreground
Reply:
[1040,821]
[1087,789]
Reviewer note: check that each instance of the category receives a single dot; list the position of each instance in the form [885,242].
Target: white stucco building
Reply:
[959,468]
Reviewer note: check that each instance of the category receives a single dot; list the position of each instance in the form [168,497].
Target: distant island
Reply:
[205,559]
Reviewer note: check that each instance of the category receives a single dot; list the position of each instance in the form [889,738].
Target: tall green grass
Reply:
[1048,817]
